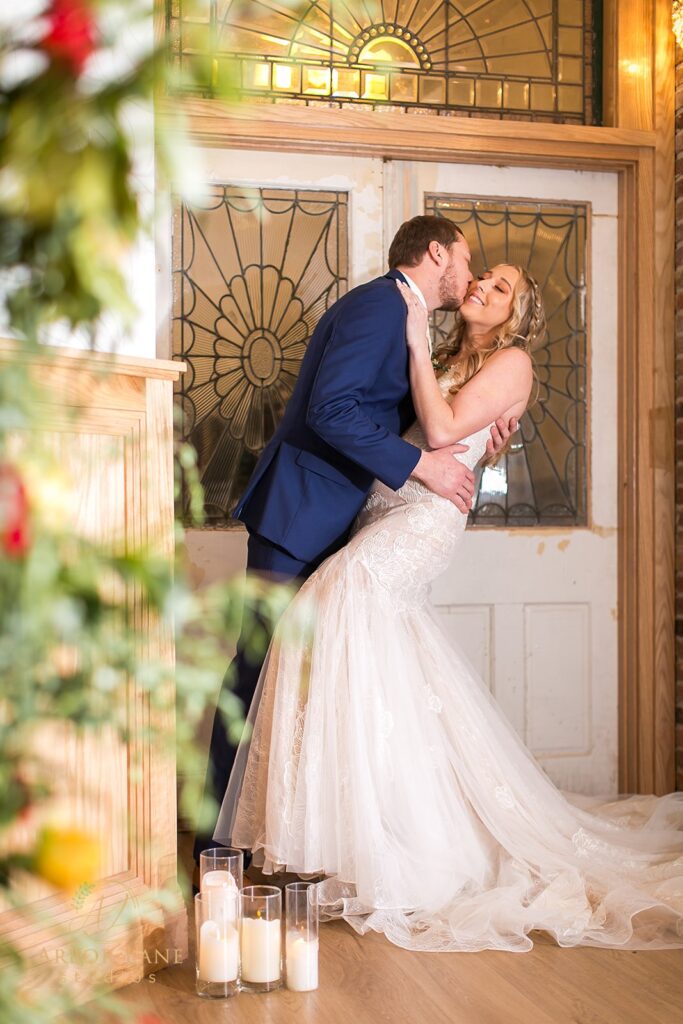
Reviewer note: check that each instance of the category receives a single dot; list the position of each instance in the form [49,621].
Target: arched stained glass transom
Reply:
[543,481]
[254,271]
[529,59]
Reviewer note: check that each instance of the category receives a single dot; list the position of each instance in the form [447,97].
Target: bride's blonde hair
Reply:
[525,326]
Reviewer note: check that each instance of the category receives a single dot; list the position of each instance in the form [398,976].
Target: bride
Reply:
[379,759]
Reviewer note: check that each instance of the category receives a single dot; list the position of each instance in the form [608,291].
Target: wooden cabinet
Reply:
[110,420]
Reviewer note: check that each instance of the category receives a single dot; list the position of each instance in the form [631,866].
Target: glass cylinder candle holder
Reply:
[217,951]
[301,936]
[221,868]
[260,938]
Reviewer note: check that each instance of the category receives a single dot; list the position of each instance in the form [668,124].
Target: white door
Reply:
[535,607]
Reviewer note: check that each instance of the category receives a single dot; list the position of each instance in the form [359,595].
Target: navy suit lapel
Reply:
[406,411]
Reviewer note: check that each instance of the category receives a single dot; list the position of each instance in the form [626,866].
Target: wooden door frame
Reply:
[638,147]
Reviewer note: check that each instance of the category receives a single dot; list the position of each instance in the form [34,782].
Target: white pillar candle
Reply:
[218,954]
[223,889]
[302,962]
[260,949]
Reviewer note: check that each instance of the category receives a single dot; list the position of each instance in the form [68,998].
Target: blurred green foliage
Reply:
[77,81]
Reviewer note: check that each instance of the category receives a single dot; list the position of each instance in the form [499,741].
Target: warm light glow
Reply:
[283,76]
[677,18]
[391,51]
[345,83]
[257,76]
[375,87]
[317,81]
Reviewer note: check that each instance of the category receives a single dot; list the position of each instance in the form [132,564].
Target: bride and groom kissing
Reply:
[376,759]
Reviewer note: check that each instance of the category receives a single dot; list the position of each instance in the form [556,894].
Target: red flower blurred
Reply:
[72,32]
[14,513]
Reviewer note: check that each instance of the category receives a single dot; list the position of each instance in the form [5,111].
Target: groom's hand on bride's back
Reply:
[446,475]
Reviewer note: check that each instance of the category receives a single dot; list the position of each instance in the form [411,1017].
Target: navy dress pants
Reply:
[273,563]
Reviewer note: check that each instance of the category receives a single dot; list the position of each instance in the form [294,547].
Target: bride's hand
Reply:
[418,319]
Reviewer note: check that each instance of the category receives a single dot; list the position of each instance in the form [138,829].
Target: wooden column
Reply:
[639,94]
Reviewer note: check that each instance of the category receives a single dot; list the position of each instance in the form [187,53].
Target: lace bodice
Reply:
[381,498]
[476,441]
[406,538]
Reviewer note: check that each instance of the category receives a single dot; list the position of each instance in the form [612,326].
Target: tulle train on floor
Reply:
[380,759]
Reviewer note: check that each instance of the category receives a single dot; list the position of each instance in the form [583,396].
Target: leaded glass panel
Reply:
[543,481]
[254,271]
[530,59]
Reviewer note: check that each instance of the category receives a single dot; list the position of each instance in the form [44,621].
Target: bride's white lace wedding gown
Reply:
[379,759]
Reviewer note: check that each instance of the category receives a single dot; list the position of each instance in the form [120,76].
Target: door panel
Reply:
[549,594]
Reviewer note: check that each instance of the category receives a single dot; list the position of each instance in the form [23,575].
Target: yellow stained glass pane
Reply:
[433,90]
[256,75]
[570,69]
[516,95]
[287,77]
[375,86]
[533,65]
[524,39]
[316,81]
[570,97]
[403,88]
[495,16]
[570,40]
[461,92]
[542,97]
[489,93]
[570,12]
[346,83]
[389,51]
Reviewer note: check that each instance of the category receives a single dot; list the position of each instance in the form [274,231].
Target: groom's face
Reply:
[456,276]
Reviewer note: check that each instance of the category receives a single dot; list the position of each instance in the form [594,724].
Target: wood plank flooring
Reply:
[367,980]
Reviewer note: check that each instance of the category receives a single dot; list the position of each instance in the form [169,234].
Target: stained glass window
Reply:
[531,59]
[254,270]
[543,481]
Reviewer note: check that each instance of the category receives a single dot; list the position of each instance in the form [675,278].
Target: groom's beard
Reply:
[451,305]
[447,300]
[449,289]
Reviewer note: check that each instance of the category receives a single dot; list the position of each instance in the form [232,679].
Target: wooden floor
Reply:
[366,980]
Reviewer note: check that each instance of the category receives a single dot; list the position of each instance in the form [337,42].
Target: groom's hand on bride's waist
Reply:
[446,475]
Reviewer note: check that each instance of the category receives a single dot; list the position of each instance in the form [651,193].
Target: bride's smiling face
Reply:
[488,302]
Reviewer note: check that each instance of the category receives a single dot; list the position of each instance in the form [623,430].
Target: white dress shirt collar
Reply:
[413,287]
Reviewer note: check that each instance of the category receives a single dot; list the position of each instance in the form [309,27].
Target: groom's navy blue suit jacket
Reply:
[340,428]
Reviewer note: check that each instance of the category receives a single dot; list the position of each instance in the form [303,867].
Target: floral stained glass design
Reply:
[255,269]
[543,481]
[530,59]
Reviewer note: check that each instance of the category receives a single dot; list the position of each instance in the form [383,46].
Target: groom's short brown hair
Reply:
[412,239]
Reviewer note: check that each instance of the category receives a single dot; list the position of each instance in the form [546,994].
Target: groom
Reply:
[339,432]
